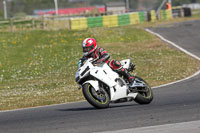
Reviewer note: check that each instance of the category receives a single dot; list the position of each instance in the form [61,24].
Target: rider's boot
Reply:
[124,72]
[127,75]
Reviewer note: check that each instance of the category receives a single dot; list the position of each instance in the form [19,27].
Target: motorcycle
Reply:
[102,86]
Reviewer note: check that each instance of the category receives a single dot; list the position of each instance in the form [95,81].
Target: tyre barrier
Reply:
[125,19]
[187,12]
[107,21]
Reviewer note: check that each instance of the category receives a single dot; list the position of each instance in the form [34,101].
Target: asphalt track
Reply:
[172,104]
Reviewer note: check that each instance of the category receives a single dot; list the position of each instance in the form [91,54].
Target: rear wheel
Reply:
[98,99]
[145,94]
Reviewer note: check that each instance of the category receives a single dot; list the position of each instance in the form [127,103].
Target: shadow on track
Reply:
[112,106]
[78,109]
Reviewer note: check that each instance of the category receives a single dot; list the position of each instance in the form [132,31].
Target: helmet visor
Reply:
[88,49]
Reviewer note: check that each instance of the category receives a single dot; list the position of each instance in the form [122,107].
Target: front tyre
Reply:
[145,94]
[99,99]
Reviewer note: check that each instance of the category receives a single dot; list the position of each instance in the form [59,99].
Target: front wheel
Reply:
[98,99]
[145,94]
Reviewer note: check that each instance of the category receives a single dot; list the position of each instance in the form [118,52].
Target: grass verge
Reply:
[37,67]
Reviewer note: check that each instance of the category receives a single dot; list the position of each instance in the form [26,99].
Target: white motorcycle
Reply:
[101,85]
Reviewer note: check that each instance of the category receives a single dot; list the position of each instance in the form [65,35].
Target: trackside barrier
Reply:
[177,11]
[94,22]
[151,16]
[165,14]
[54,23]
[107,21]
[134,18]
[124,19]
[110,21]
[79,24]
[118,20]
[141,16]
[168,14]
[187,12]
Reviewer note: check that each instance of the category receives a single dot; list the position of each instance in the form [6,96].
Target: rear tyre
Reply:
[145,94]
[99,99]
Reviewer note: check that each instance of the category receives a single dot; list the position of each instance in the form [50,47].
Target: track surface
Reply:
[172,104]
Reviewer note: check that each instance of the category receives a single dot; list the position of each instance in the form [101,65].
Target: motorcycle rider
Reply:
[100,55]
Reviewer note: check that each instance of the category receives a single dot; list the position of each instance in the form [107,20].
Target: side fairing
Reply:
[105,74]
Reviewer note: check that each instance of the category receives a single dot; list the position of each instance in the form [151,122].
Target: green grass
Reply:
[38,67]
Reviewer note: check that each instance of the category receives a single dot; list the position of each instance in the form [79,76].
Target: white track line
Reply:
[175,45]
[181,49]
[195,74]
[162,38]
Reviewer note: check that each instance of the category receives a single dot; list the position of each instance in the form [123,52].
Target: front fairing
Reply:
[83,70]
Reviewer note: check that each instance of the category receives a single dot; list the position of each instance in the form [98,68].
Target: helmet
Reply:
[89,46]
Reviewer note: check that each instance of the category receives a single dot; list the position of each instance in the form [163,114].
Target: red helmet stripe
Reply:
[89,43]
